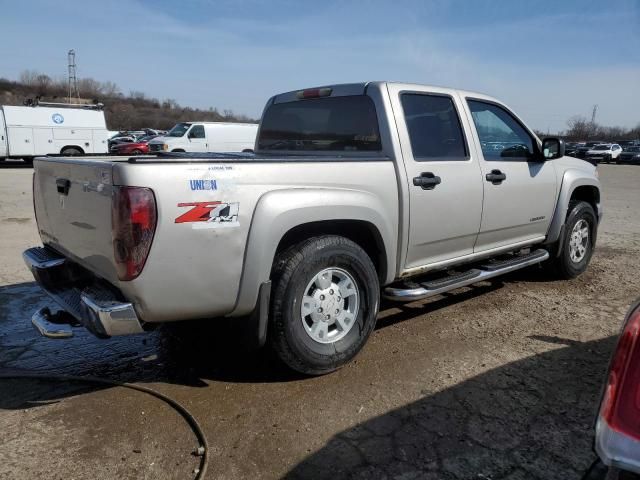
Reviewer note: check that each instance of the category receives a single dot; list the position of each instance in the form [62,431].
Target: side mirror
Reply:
[552,148]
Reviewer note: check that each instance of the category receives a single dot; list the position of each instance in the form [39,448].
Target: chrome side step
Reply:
[419,291]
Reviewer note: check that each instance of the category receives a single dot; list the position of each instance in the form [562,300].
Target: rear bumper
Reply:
[93,303]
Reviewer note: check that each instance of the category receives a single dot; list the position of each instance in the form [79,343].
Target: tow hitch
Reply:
[53,325]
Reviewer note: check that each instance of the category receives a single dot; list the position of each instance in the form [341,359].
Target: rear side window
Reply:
[347,123]
[501,136]
[197,131]
[434,127]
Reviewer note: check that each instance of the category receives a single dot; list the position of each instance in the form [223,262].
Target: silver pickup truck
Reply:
[354,191]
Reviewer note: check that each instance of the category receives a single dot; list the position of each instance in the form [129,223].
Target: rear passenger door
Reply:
[445,184]
[519,188]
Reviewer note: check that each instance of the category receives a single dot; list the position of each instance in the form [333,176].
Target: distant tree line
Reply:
[122,112]
[580,128]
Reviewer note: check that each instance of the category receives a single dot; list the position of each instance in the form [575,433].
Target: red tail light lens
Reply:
[133,224]
[621,402]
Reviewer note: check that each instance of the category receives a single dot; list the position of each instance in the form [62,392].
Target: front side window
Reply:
[434,127]
[501,135]
[197,131]
[345,123]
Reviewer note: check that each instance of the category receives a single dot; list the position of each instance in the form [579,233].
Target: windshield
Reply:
[347,123]
[146,138]
[179,130]
[632,149]
[601,147]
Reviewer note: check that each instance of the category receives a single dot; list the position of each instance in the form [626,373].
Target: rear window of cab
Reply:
[345,123]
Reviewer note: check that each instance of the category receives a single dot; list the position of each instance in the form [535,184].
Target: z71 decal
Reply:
[210,214]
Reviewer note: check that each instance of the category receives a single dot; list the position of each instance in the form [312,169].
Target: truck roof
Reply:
[344,89]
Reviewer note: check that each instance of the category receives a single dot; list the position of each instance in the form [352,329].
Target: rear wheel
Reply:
[578,241]
[325,300]
[71,151]
[136,152]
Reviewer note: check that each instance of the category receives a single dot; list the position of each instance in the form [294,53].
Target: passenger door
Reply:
[445,184]
[197,139]
[519,187]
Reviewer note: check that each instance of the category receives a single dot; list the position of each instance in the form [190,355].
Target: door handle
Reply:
[427,181]
[496,177]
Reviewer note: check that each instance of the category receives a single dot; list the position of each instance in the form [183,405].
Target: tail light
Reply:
[133,224]
[618,425]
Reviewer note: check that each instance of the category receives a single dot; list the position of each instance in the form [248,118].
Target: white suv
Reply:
[605,152]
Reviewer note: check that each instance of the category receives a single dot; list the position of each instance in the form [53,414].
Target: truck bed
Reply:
[194,268]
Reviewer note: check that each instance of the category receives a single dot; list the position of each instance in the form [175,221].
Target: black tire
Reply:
[178,150]
[562,264]
[71,151]
[293,269]
[136,152]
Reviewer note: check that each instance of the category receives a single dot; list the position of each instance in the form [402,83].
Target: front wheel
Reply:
[325,300]
[578,241]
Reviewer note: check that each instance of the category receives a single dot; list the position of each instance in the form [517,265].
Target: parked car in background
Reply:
[626,143]
[207,137]
[122,139]
[617,440]
[52,129]
[582,150]
[570,148]
[606,152]
[137,147]
[630,155]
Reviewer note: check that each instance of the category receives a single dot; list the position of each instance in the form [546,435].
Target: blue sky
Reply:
[549,60]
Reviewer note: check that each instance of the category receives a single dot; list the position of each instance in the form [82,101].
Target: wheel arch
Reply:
[76,147]
[575,186]
[284,217]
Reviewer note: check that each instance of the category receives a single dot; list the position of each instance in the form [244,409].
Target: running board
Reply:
[419,291]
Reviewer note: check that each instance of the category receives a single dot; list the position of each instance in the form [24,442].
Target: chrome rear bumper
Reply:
[93,303]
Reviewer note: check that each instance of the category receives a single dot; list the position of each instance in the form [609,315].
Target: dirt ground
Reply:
[497,381]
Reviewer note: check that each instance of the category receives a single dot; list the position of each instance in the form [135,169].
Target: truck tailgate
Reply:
[72,200]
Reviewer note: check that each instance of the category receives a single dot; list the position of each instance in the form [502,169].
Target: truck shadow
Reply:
[532,418]
[184,353]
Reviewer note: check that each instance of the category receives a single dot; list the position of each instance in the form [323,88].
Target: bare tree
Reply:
[110,89]
[28,77]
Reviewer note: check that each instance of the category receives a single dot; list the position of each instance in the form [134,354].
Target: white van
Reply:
[27,132]
[206,137]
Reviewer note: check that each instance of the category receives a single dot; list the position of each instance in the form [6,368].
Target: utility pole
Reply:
[73,81]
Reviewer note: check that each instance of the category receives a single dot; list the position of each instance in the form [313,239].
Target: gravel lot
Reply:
[497,381]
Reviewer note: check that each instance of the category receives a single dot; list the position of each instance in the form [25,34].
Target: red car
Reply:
[138,147]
